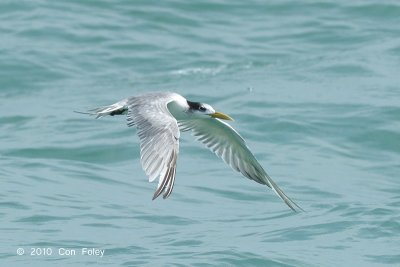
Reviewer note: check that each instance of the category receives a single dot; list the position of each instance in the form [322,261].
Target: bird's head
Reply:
[203,109]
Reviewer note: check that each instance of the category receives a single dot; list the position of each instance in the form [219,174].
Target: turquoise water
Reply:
[314,87]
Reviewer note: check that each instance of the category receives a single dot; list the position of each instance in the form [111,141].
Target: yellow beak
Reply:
[221,115]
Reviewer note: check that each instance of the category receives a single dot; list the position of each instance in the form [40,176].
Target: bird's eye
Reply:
[202,109]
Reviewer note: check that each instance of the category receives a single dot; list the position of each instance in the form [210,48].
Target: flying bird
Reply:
[160,117]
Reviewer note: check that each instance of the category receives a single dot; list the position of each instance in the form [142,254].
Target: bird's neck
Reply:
[179,108]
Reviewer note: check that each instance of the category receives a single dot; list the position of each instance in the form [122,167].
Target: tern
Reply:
[160,117]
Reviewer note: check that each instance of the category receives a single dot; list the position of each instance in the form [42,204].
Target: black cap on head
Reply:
[194,105]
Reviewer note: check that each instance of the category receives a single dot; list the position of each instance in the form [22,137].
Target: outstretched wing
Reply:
[224,141]
[159,139]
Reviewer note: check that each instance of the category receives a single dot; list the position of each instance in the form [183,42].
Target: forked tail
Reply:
[118,108]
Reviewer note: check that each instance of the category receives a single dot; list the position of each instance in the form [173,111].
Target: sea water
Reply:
[313,86]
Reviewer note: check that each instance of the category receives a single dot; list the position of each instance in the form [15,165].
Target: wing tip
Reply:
[294,207]
[155,196]
[288,201]
[167,183]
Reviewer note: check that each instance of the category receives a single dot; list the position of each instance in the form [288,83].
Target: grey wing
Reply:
[224,141]
[159,139]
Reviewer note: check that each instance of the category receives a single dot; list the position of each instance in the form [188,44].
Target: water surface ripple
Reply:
[313,87]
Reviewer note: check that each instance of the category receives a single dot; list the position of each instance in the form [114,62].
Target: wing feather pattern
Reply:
[159,138]
[224,141]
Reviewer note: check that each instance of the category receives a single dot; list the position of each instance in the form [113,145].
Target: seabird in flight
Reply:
[160,117]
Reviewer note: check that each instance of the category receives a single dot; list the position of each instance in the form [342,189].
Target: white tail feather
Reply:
[118,108]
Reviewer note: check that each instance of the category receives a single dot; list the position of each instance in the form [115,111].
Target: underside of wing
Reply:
[159,139]
[224,141]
